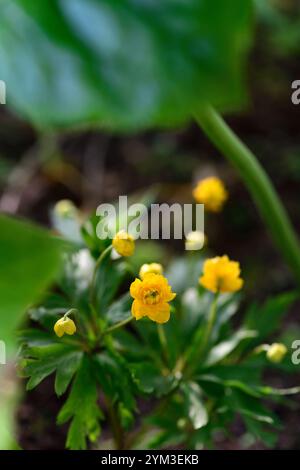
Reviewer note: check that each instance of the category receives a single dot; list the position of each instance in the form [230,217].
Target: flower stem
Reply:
[199,342]
[117,325]
[97,266]
[258,183]
[70,312]
[163,343]
[209,327]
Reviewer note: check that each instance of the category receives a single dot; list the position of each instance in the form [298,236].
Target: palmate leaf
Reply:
[115,378]
[41,361]
[149,379]
[124,64]
[82,408]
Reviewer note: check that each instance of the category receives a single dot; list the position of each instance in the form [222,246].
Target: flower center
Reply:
[151,297]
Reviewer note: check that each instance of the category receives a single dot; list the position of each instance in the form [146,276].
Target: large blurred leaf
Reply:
[123,64]
[29,260]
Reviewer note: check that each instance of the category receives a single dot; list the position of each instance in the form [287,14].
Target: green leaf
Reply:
[194,403]
[33,337]
[260,431]
[119,310]
[30,259]
[109,278]
[149,379]
[82,408]
[248,373]
[65,371]
[41,361]
[223,349]
[253,391]
[115,378]
[195,307]
[228,305]
[124,64]
[251,407]
[46,316]
[266,318]
[8,403]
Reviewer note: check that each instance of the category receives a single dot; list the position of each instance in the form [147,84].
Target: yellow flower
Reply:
[276,352]
[152,268]
[123,243]
[195,240]
[151,297]
[220,274]
[64,325]
[65,209]
[212,193]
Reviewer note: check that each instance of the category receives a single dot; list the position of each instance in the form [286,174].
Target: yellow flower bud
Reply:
[195,240]
[123,243]
[64,325]
[152,268]
[65,209]
[212,193]
[276,352]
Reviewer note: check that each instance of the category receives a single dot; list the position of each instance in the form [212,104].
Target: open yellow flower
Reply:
[212,193]
[220,274]
[151,297]
[123,243]
[152,268]
[64,325]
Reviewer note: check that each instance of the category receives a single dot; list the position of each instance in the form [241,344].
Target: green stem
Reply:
[115,425]
[200,341]
[70,312]
[163,343]
[258,183]
[122,323]
[97,265]
[209,327]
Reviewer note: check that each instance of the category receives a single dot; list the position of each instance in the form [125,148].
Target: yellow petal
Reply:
[59,329]
[69,326]
[160,314]
[135,288]
[170,296]
[138,310]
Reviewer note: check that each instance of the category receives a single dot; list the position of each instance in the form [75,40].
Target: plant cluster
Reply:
[117,338]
